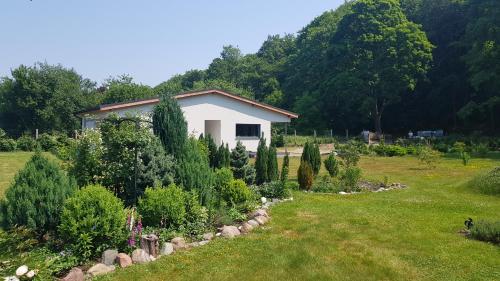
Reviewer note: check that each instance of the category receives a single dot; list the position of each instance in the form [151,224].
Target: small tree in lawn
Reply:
[332,165]
[261,161]
[285,167]
[272,164]
[35,198]
[305,175]
[239,159]
[316,158]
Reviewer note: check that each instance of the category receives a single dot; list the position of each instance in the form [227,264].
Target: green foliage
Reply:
[163,207]
[170,126]
[272,164]
[261,162]
[465,156]
[428,156]
[223,178]
[212,151]
[239,159]
[350,178]
[488,231]
[223,156]
[123,88]
[292,185]
[285,168]
[7,144]
[26,143]
[332,165]
[196,217]
[312,155]
[326,184]
[36,196]
[92,221]
[236,193]
[87,166]
[47,142]
[487,183]
[274,189]
[305,175]
[390,150]
[349,155]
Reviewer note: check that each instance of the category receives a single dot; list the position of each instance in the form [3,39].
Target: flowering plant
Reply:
[134,227]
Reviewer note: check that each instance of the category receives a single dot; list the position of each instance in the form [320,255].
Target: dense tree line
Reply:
[424,63]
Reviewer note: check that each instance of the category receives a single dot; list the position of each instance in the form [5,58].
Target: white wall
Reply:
[229,111]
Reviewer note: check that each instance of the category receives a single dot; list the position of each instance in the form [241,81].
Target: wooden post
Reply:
[331,133]
[314,134]
[36,134]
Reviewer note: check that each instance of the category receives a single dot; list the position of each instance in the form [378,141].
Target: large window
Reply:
[248,130]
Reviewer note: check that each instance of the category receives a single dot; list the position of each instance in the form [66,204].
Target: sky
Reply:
[149,40]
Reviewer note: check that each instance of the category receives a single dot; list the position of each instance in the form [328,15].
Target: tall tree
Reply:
[170,126]
[381,52]
[123,88]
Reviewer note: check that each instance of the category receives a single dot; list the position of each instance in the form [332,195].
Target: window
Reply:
[248,130]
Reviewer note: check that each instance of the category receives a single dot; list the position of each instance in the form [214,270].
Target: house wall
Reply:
[198,109]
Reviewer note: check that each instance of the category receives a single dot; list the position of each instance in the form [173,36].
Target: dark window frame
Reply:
[248,130]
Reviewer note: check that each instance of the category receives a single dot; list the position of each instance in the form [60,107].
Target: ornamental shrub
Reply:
[305,175]
[332,165]
[162,207]
[47,142]
[36,197]
[285,168]
[261,162]
[274,189]
[92,221]
[326,184]
[223,157]
[272,164]
[487,183]
[239,159]
[223,178]
[170,126]
[7,144]
[236,193]
[196,217]
[87,166]
[26,143]
[488,231]
[350,178]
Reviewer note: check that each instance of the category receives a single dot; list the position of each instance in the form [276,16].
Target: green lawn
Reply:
[406,234]
[397,235]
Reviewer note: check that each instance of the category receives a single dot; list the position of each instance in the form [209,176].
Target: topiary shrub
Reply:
[36,197]
[236,193]
[162,207]
[487,231]
[305,175]
[487,183]
[26,143]
[332,165]
[92,221]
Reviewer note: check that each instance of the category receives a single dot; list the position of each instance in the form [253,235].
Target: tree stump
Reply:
[150,244]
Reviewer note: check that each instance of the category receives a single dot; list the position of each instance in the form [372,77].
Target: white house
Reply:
[225,116]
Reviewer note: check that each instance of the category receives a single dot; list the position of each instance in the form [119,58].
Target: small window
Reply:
[248,130]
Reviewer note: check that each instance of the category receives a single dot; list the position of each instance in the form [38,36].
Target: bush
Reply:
[487,183]
[481,149]
[305,175]
[326,184]
[349,155]
[261,162]
[196,216]
[47,142]
[332,165]
[7,144]
[292,185]
[390,150]
[274,189]
[465,156]
[486,231]
[87,165]
[236,193]
[428,156]
[223,178]
[92,221]
[350,178]
[26,143]
[36,197]
[162,207]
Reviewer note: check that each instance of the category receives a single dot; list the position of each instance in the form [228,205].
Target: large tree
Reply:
[380,52]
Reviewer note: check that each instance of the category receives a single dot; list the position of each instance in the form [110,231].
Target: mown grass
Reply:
[408,234]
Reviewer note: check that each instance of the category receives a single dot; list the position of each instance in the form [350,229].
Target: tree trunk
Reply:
[377,117]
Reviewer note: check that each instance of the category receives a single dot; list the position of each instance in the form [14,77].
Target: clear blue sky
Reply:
[150,40]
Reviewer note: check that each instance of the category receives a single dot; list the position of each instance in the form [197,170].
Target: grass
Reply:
[406,234]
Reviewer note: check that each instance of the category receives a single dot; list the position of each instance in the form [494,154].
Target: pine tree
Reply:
[36,197]
[306,153]
[227,157]
[316,159]
[332,165]
[305,175]
[261,160]
[212,151]
[239,159]
[170,126]
[285,167]
[272,164]
[223,157]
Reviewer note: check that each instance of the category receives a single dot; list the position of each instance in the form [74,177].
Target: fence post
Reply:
[315,134]
[36,134]
[331,133]
[347,133]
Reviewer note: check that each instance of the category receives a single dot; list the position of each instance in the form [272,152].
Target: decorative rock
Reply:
[218,234]
[152,258]
[208,236]
[343,193]
[30,274]
[179,243]
[123,260]
[230,231]
[204,242]
[167,249]
[149,243]
[253,223]
[76,274]
[20,271]
[260,212]
[261,220]
[109,257]
[140,256]
[194,244]
[246,227]
[11,278]
[99,269]
[263,200]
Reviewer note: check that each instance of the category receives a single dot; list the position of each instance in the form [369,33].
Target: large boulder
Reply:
[230,231]
[179,243]
[246,227]
[260,212]
[167,249]
[123,260]
[99,269]
[253,223]
[140,256]
[261,219]
[75,274]
[109,257]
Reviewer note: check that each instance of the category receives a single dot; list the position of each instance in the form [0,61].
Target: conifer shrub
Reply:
[261,162]
[272,164]
[170,126]
[285,168]
[350,178]
[223,178]
[236,193]
[332,165]
[36,196]
[239,164]
[311,154]
[163,207]
[92,221]
[305,175]
[223,156]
